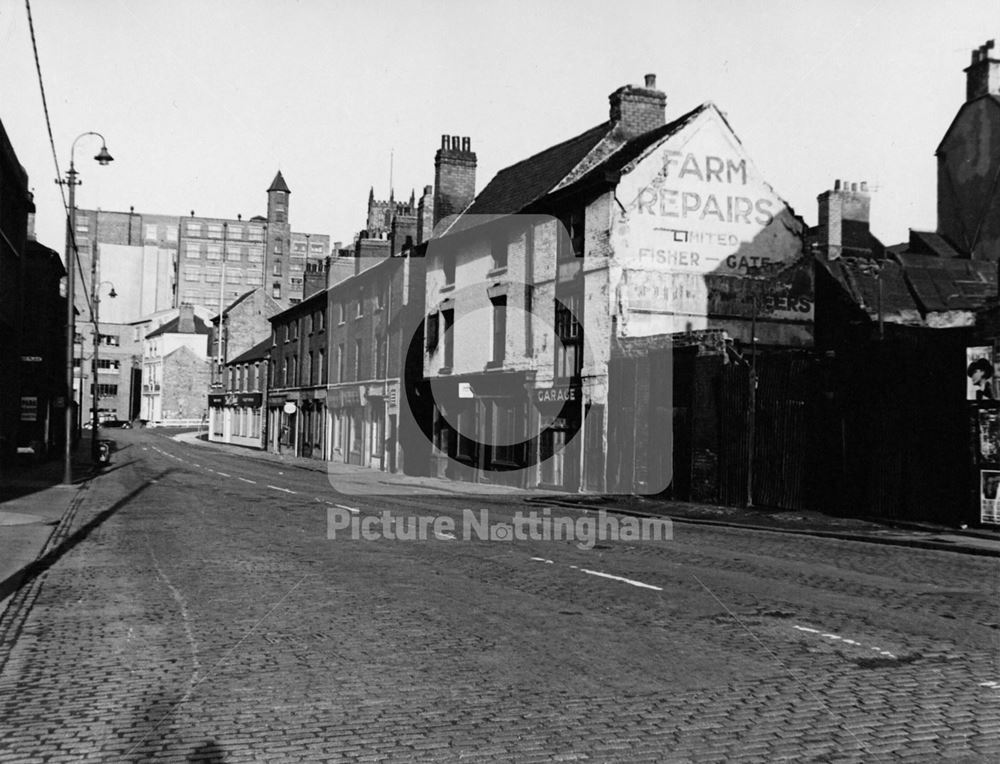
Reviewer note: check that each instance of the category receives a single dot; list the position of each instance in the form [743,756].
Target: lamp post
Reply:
[71,180]
[95,300]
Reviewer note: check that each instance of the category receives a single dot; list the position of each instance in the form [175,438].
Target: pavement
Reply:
[977,541]
[33,503]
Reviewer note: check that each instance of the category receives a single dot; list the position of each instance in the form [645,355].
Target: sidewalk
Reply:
[33,501]
[983,542]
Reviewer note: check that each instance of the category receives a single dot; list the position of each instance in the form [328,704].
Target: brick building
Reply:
[968,194]
[554,288]
[297,376]
[238,413]
[176,371]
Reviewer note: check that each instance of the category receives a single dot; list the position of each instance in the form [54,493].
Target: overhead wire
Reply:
[55,159]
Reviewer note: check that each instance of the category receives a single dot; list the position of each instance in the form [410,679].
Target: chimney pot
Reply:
[651,81]
[836,185]
[466,144]
[864,186]
[854,187]
[444,142]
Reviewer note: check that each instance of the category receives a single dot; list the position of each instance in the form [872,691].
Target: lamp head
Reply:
[103,157]
[112,293]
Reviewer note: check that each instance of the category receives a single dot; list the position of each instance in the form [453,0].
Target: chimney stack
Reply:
[454,177]
[185,324]
[983,74]
[425,214]
[636,110]
[844,217]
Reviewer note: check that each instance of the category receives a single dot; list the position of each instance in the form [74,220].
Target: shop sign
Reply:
[290,408]
[556,394]
[29,408]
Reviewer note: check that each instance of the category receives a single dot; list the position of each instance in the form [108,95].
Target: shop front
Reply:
[236,418]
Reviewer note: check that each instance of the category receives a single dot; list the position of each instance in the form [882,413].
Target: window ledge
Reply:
[491,365]
[448,287]
[497,271]
[444,370]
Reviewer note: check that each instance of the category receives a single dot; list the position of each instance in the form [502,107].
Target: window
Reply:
[150,232]
[215,230]
[109,339]
[108,363]
[284,372]
[106,391]
[256,234]
[322,320]
[276,291]
[288,333]
[357,360]
[380,359]
[276,269]
[340,362]
[171,234]
[569,337]
[431,332]
[82,224]
[307,372]
[498,249]
[234,278]
[298,247]
[271,381]
[499,330]
[189,276]
[279,246]
[255,279]
[293,370]
[570,240]
[340,313]
[321,360]
[192,249]
[380,297]
[449,268]
[191,228]
[361,302]
[213,251]
[295,329]
[449,337]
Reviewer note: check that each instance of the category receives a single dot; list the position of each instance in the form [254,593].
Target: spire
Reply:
[413,199]
[371,194]
[278,184]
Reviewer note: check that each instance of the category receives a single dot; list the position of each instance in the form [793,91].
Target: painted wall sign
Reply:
[704,242]
[556,394]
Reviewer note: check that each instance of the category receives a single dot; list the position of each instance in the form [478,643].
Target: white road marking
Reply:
[991,685]
[355,510]
[253,482]
[542,559]
[222,473]
[845,640]
[629,581]
[278,488]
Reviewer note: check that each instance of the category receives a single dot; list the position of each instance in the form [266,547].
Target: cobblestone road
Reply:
[195,610]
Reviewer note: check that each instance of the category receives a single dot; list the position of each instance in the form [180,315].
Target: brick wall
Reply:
[454,176]
[185,382]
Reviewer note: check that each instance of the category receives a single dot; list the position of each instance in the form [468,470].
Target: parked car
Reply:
[122,423]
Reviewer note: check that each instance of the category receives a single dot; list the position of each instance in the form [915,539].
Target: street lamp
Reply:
[71,180]
[95,300]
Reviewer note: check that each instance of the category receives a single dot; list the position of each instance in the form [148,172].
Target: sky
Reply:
[201,103]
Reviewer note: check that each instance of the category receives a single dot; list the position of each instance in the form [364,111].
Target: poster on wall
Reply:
[989,435]
[980,373]
[989,503]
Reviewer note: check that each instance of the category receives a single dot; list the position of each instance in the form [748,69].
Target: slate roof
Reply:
[930,243]
[859,278]
[173,327]
[943,284]
[517,187]
[256,353]
[278,184]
